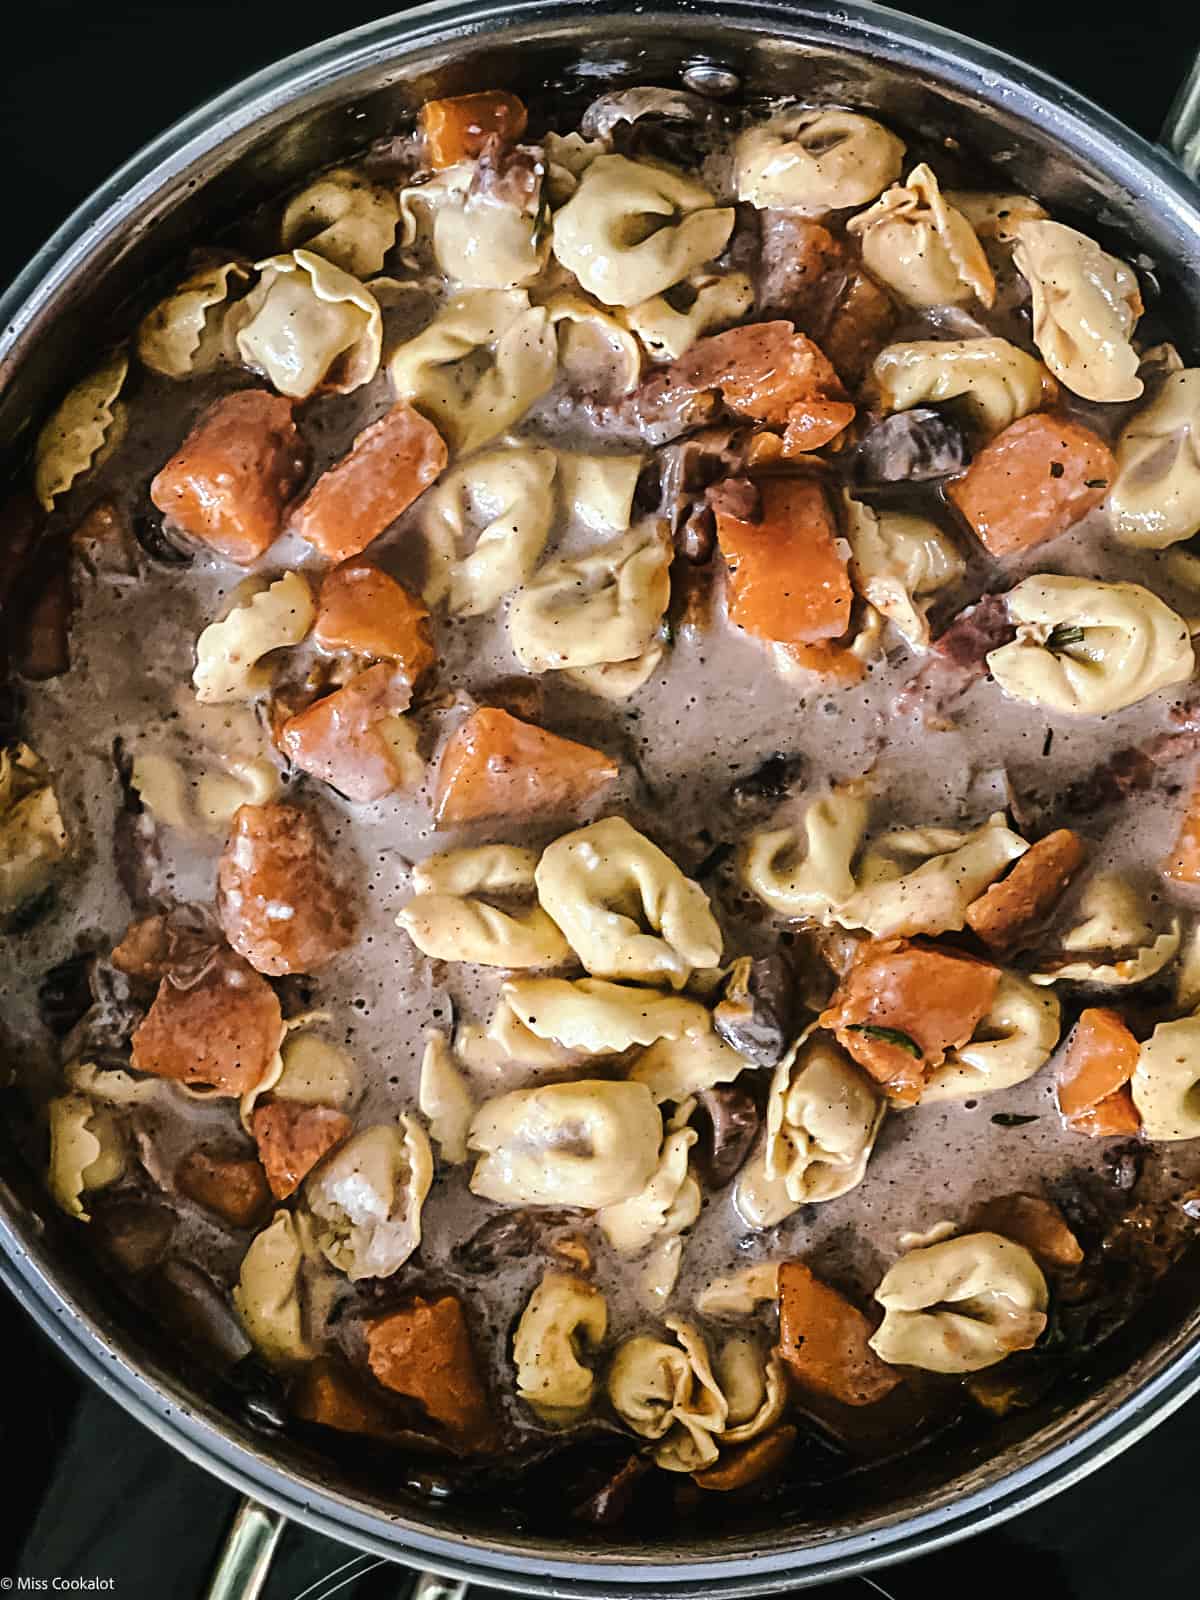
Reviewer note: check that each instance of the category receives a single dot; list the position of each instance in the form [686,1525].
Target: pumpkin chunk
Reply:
[1094,1074]
[1183,864]
[342,738]
[1032,482]
[455,129]
[748,1463]
[387,467]
[223,1030]
[279,900]
[1011,910]
[823,1341]
[788,583]
[902,1006]
[497,766]
[233,1187]
[291,1139]
[765,371]
[230,479]
[1029,1220]
[364,610]
[424,1351]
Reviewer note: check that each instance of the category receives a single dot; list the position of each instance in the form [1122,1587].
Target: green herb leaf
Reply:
[1012,1119]
[902,1041]
[1064,636]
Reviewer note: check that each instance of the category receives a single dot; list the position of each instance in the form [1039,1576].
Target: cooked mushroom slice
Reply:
[757,1011]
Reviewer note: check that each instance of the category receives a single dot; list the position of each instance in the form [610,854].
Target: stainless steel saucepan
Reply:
[264,135]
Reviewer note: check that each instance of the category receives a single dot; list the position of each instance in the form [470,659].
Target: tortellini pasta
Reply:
[1086,648]
[1114,915]
[162,787]
[897,559]
[914,241]
[262,619]
[674,1068]
[669,1393]
[896,899]
[604,233]
[188,332]
[992,214]
[87,424]
[34,843]
[268,1293]
[907,881]
[601,1018]
[816,161]
[346,219]
[445,922]
[815,884]
[618,680]
[563,1318]
[822,1118]
[719,299]
[597,353]
[1155,498]
[314,1070]
[590,1143]
[484,240]
[440,373]
[598,881]
[960,1305]
[364,1200]
[739,1294]
[598,490]
[506,1043]
[1086,305]
[445,1099]
[307,325]
[601,607]
[87,1151]
[509,492]
[1013,1041]
[568,156]
[668,1204]
[1166,1081]
[994,380]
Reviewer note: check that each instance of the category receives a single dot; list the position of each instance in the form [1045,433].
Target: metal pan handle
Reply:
[1181,130]
[245,1560]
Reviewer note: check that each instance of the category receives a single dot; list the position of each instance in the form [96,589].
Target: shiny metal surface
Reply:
[245,1559]
[321,106]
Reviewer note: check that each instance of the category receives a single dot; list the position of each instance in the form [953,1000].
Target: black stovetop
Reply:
[89,1493]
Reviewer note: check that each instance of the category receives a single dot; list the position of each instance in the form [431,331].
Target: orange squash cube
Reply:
[788,581]
[494,765]
[455,129]
[1093,1077]
[339,738]
[1183,864]
[1032,482]
[823,1342]
[231,478]
[386,468]
[1012,909]
[902,1006]
[291,1139]
[362,609]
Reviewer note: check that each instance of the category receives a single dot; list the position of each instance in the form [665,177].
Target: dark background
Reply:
[85,1490]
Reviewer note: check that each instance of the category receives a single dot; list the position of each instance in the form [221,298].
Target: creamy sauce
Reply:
[713,711]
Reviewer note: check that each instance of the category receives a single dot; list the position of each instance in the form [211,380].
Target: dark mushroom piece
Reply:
[508,1234]
[758,1011]
[149,532]
[661,124]
[730,1120]
[65,994]
[609,1504]
[773,780]
[918,446]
